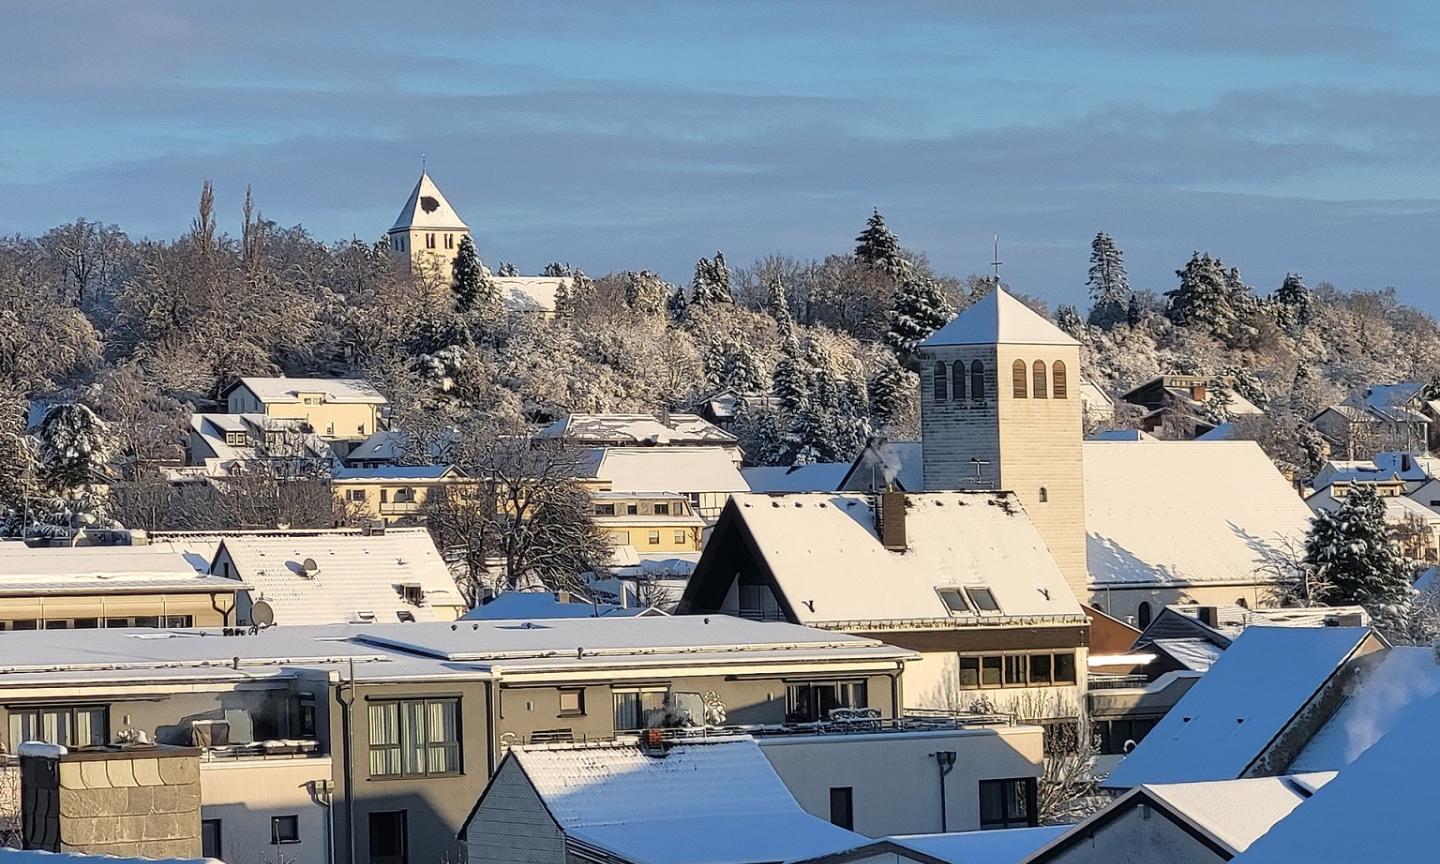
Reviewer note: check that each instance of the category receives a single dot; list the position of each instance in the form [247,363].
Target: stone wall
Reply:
[143,803]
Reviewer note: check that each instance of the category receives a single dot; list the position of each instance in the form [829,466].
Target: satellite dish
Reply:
[310,567]
[261,614]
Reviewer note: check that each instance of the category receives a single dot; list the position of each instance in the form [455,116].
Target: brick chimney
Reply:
[1198,391]
[890,520]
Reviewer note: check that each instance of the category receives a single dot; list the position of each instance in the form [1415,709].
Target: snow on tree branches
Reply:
[471,286]
[877,246]
[1109,285]
[1352,550]
[711,283]
[920,309]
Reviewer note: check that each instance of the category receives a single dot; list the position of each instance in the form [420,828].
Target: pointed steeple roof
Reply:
[998,319]
[427,208]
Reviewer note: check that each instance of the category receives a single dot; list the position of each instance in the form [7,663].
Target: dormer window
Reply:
[235,439]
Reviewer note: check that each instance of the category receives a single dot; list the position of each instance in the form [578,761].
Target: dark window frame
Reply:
[842,807]
[940,385]
[578,711]
[281,837]
[402,718]
[1016,800]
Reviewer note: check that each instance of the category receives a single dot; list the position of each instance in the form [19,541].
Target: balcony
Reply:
[399,508]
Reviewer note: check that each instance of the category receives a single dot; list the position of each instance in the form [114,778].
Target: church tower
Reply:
[1000,409]
[428,231]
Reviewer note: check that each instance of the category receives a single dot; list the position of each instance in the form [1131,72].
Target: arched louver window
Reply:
[1044,494]
[1019,377]
[940,378]
[957,380]
[1144,614]
[1040,388]
[977,381]
[1059,387]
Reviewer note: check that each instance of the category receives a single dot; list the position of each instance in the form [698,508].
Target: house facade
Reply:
[391,494]
[338,408]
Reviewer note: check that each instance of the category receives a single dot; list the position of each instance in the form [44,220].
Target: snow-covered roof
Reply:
[288,390]
[1390,401]
[829,564]
[670,469]
[101,570]
[1224,722]
[1197,655]
[427,208]
[1121,435]
[1223,432]
[356,575]
[394,472]
[818,477]
[1182,620]
[1399,509]
[528,293]
[998,318]
[1386,686]
[1003,846]
[717,802]
[213,428]
[636,429]
[36,856]
[389,445]
[1380,808]
[535,605]
[1186,512]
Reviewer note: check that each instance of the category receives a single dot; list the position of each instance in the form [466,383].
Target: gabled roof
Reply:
[882,462]
[1186,512]
[831,569]
[287,390]
[1225,815]
[528,293]
[390,445]
[535,605]
[819,477]
[636,429]
[716,802]
[101,570]
[427,208]
[395,472]
[669,469]
[1386,686]
[1230,717]
[1196,655]
[357,574]
[995,846]
[1380,808]
[998,318]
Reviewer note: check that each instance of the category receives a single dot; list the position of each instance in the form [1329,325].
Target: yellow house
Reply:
[648,522]
[88,587]
[427,233]
[333,407]
[392,493]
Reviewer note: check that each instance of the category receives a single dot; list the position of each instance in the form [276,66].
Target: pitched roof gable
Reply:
[998,318]
[427,208]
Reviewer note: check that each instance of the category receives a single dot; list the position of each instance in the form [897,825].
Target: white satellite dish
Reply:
[261,614]
[309,567]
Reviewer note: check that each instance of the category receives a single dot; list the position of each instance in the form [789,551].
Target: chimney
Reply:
[562,596]
[1405,462]
[1198,391]
[1209,616]
[890,520]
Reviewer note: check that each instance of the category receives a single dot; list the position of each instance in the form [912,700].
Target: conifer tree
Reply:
[1293,301]
[1109,285]
[889,391]
[1205,297]
[75,444]
[711,284]
[507,268]
[1133,314]
[1353,552]
[779,308]
[564,301]
[1068,319]
[676,306]
[792,380]
[468,282]
[920,309]
[877,245]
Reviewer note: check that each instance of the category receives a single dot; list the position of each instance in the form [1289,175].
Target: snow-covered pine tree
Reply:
[1244,382]
[779,308]
[711,284]
[1353,551]
[469,278]
[890,390]
[1292,301]
[75,445]
[676,307]
[564,300]
[920,309]
[1204,299]
[877,245]
[646,292]
[1108,282]
[1067,318]
[792,378]
[555,268]
[507,268]
[1132,311]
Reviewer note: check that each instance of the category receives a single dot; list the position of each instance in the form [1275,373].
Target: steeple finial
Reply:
[422,163]
[996,262]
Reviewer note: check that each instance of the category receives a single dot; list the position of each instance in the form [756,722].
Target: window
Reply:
[389,841]
[1019,378]
[842,807]
[812,701]
[1059,387]
[954,600]
[429,241]
[1044,495]
[654,538]
[415,737]
[384,496]
[620,538]
[307,715]
[329,428]
[389,838]
[1016,670]
[86,623]
[235,439]
[354,494]
[1008,803]
[969,672]
[284,829]
[632,509]
[572,702]
[310,400]
[179,621]
[1119,737]
[990,672]
[604,509]
[634,707]
[1144,614]
[757,603]
[1040,669]
[977,381]
[680,537]
[940,390]
[982,599]
[24,624]
[661,509]
[147,621]
[957,379]
[67,725]
[210,843]
[1040,388]
[57,625]
[1065,668]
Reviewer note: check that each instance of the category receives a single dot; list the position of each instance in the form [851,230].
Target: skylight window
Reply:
[982,599]
[954,600]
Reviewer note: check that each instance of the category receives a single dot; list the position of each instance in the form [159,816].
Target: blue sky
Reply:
[1280,136]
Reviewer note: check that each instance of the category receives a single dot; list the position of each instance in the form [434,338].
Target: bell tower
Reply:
[428,231]
[1000,409]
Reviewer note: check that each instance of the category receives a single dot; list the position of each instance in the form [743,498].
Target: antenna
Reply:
[422,163]
[997,262]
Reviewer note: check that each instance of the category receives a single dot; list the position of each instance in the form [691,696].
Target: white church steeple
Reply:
[428,231]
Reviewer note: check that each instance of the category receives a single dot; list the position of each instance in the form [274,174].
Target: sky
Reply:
[1283,136]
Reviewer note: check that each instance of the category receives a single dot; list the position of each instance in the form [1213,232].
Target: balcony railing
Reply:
[1115,682]
[395,508]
